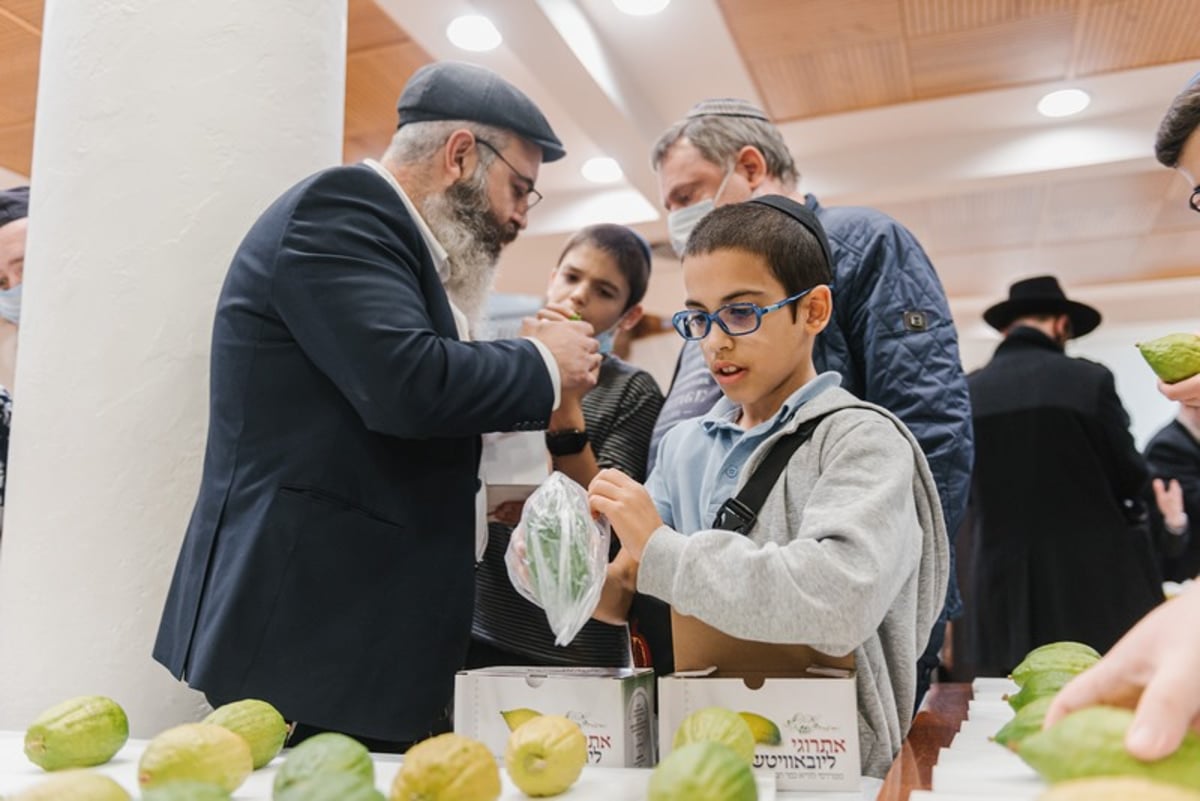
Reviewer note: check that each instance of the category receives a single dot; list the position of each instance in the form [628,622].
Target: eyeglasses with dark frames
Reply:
[1194,200]
[532,197]
[735,319]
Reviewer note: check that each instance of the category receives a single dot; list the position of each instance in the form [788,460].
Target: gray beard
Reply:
[461,219]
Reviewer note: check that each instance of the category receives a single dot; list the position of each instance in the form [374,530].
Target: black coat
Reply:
[328,565]
[1174,453]
[1055,557]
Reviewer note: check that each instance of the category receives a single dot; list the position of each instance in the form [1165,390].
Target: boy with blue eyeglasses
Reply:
[848,553]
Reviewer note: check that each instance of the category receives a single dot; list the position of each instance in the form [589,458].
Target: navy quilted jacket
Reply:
[894,343]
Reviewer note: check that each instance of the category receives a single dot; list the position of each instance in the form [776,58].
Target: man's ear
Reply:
[459,155]
[753,164]
[632,317]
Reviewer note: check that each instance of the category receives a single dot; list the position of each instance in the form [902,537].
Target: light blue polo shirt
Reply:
[700,461]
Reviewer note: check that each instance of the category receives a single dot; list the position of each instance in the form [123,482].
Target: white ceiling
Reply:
[993,190]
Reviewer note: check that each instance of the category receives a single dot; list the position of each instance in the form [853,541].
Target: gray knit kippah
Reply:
[727,107]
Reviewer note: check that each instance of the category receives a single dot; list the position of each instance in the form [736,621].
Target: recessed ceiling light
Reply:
[1064,103]
[473,32]
[641,8]
[602,170]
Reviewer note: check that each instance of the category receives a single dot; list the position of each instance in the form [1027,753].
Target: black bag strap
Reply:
[740,513]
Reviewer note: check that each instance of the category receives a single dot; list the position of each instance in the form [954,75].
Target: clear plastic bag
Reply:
[558,555]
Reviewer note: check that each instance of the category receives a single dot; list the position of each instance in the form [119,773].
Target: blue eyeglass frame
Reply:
[680,318]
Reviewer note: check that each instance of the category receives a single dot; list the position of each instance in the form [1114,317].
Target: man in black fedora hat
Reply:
[1058,554]
[328,566]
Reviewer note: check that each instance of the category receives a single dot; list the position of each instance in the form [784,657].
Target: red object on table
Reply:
[942,714]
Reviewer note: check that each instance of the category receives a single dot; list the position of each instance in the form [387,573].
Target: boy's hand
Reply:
[627,506]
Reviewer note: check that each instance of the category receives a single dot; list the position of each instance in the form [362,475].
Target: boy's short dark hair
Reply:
[791,250]
[1178,124]
[628,249]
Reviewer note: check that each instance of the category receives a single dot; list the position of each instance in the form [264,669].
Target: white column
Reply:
[163,129]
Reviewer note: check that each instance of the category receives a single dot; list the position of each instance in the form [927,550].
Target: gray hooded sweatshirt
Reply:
[851,536]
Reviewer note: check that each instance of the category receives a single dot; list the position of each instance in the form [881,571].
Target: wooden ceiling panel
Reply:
[28,12]
[16,148]
[806,85]
[983,220]
[1019,51]
[370,26]
[985,273]
[1103,208]
[948,47]
[1170,254]
[1125,34]
[1175,213]
[1092,262]
[765,29]
[374,78]
[927,17]
[19,50]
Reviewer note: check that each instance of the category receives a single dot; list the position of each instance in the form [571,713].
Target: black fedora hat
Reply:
[1041,295]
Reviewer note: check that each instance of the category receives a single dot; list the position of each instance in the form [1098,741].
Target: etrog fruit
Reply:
[1027,721]
[703,771]
[1173,357]
[717,725]
[1117,788]
[1071,660]
[1039,685]
[74,785]
[259,724]
[331,787]
[198,752]
[1091,742]
[448,767]
[327,752]
[77,733]
[545,755]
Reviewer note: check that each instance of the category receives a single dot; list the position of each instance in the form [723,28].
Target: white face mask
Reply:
[607,339]
[681,222]
[10,304]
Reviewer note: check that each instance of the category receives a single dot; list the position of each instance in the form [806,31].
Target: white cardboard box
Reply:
[816,718]
[809,697]
[613,706]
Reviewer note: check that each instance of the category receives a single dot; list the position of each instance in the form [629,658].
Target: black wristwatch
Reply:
[566,443]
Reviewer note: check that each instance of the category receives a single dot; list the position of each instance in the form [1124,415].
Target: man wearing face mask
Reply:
[891,336]
[14,224]
[328,567]
[1058,554]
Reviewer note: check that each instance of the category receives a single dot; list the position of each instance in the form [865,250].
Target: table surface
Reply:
[942,712]
[941,715]
[596,784]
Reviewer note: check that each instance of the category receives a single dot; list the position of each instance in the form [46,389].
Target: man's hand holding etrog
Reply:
[575,350]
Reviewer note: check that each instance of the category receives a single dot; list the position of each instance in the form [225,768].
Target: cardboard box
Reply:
[613,706]
[807,699]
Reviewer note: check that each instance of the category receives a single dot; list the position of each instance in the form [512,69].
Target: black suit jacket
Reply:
[1055,555]
[328,564]
[1173,453]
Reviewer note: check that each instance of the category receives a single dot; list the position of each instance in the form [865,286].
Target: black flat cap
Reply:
[14,204]
[452,90]
[803,215]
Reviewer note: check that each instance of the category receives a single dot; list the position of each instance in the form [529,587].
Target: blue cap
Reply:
[14,205]
[452,90]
